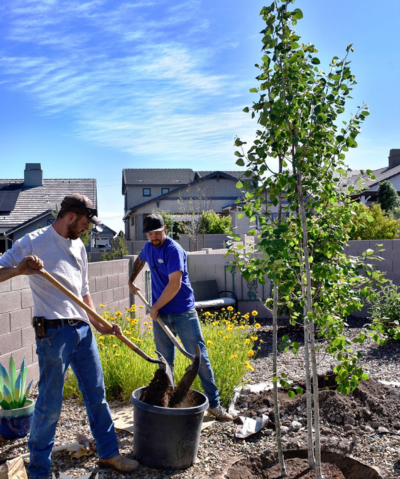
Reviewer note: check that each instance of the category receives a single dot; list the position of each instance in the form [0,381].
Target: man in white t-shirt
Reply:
[63,334]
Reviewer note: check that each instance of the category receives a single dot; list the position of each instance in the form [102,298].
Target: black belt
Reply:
[52,323]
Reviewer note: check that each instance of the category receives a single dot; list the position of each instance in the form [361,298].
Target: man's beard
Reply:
[156,242]
[72,231]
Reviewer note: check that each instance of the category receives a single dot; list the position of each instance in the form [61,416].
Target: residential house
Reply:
[28,204]
[178,191]
[390,173]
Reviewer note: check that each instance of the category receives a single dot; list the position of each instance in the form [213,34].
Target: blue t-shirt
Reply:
[163,261]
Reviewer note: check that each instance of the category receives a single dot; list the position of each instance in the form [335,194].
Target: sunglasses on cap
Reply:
[89,212]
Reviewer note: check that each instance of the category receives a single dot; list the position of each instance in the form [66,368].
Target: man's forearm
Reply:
[8,273]
[138,265]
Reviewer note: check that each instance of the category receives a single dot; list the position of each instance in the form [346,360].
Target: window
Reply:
[164,191]
[146,191]
[132,220]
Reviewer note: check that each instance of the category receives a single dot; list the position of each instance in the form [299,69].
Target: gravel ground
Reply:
[219,448]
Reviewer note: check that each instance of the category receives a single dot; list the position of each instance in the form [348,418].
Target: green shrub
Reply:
[385,310]
[387,196]
[211,223]
[373,224]
[230,344]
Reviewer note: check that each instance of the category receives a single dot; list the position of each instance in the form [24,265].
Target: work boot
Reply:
[219,413]
[119,463]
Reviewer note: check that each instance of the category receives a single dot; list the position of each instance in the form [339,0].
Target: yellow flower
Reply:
[141,307]
[209,343]
[237,328]
[258,326]
[234,356]
[125,331]
[247,341]
[222,309]
[229,308]
[100,344]
[117,355]
[241,327]
[101,337]
[254,313]
[118,313]
[249,366]
[246,316]
[226,337]
[129,333]
[150,327]
[219,333]
[102,305]
[250,353]
[115,345]
[254,338]
[233,317]
[146,323]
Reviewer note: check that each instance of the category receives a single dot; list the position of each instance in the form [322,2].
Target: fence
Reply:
[109,286]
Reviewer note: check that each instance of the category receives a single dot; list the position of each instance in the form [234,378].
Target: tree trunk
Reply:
[275,383]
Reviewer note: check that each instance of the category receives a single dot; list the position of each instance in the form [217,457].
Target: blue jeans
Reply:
[187,327]
[63,346]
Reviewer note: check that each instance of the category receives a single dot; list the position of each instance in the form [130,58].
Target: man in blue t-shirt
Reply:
[173,301]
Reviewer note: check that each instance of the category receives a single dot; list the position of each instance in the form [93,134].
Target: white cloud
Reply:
[127,72]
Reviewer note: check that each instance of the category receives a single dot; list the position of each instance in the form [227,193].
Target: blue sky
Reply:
[88,88]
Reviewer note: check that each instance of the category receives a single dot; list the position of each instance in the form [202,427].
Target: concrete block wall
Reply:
[108,282]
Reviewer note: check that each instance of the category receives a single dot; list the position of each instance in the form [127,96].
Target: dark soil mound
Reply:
[371,404]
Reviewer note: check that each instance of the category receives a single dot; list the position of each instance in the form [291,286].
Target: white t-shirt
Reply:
[64,259]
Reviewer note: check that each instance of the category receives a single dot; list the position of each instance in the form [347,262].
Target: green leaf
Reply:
[291,394]
[253,90]
[239,184]
[240,162]
[315,61]
[364,377]
[246,109]
[297,14]
[370,218]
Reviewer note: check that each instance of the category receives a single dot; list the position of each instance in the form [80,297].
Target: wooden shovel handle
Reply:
[97,316]
[167,331]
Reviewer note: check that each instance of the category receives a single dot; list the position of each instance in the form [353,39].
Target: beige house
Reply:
[177,191]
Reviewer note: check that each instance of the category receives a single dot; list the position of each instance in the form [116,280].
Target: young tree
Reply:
[192,208]
[387,196]
[118,250]
[297,108]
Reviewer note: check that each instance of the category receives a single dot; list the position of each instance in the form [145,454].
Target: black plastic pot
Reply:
[167,437]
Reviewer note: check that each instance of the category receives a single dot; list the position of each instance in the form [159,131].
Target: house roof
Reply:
[37,201]
[169,177]
[380,174]
[156,176]
[206,175]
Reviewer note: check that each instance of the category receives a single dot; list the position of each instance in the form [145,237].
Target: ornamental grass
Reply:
[231,345]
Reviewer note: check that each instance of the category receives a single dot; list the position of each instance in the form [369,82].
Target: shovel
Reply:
[161,360]
[184,384]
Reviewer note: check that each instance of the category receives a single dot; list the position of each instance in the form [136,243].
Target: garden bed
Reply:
[218,448]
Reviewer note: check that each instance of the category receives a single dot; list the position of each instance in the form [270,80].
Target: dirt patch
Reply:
[295,468]
[371,404]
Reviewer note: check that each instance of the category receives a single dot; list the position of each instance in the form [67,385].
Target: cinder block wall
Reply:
[108,285]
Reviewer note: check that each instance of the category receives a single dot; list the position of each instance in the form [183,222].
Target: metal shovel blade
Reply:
[183,387]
